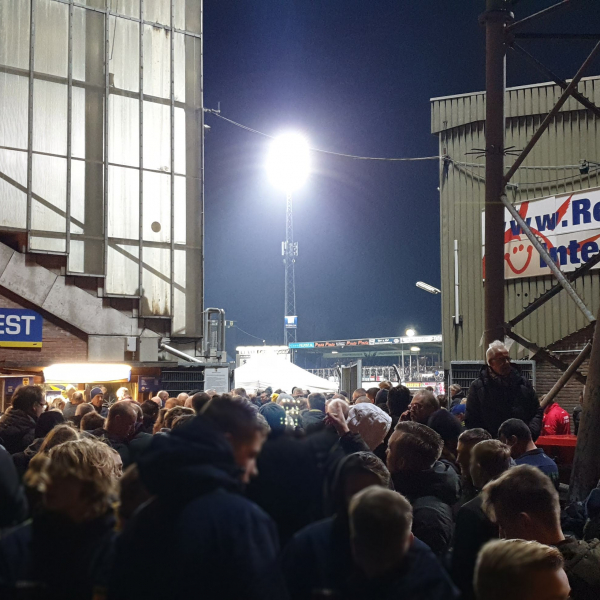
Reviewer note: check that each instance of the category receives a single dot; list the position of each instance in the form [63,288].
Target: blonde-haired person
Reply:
[58,404]
[520,570]
[123,393]
[63,553]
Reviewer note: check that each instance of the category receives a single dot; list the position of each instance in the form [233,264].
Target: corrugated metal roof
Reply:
[453,111]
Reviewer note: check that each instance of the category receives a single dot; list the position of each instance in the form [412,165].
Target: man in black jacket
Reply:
[431,486]
[500,393]
[17,426]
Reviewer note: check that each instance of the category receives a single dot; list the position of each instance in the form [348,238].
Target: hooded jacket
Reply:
[493,400]
[319,557]
[211,541]
[12,497]
[432,493]
[16,430]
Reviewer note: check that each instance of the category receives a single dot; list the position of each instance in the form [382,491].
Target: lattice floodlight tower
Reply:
[288,166]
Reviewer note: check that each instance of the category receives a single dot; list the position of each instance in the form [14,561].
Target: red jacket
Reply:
[556,421]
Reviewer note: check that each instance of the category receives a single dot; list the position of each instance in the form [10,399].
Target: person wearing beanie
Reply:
[97,401]
[275,416]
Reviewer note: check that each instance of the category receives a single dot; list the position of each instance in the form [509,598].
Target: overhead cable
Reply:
[217,114]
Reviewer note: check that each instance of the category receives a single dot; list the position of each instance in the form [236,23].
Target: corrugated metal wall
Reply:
[100,144]
[459,123]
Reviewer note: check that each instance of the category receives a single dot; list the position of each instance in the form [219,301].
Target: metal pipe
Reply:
[30,116]
[69,132]
[106,130]
[456,284]
[555,110]
[180,354]
[566,376]
[172,165]
[141,155]
[549,73]
[495,19]
[538,15]
[551,264]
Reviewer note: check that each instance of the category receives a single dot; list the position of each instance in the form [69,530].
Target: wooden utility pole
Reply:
[495,19]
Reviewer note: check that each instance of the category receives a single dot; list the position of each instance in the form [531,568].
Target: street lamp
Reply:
[428,288]
[288,166]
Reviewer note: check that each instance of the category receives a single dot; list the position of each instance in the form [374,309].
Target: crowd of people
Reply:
[374,494]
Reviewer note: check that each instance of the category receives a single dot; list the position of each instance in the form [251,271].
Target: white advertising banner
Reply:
[568,226]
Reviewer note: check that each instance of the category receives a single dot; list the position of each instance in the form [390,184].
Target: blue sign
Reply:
[296,345]
[291,322]
[12,383]
[148,384]
[20,328]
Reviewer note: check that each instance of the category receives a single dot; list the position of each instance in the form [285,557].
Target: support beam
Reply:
[586,466]
[548,295]
[551,264]
[538,15]
[566,376]
[555,110]
[557,36]
[544,354]
[560,82]
[495,20]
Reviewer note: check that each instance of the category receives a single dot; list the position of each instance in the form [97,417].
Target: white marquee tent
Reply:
[273,371]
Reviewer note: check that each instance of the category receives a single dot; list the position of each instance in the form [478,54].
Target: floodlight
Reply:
[415,349]
[428,288]
[288,162]
[410,332]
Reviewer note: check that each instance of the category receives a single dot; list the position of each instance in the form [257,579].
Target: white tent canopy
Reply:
[272,371]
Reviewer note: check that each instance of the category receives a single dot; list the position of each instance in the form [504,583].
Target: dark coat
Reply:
[289,485]
[493,400]
[432,493]
[457,399]
[17,430]
[312,420]
[59,559]
[212,542]
[582,566]
[473,529]
[21,459]
[319,557]
[13,504]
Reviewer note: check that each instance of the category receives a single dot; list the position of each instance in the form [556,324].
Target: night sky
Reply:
[354,77]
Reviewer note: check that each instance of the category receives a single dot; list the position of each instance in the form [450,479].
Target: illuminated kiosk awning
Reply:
[86,373]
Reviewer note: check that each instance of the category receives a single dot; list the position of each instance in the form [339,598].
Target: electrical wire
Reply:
[529,183]
[252,336]
[217,114]
[459,164]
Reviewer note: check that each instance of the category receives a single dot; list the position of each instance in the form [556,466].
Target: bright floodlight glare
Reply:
[428,288]
[410,332]
[288,162]
[414,348]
